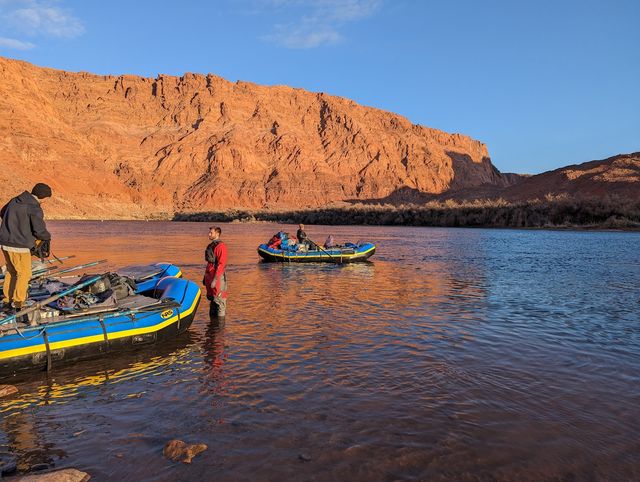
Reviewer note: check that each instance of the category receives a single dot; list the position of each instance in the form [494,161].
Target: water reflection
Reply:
[28,443]
[452,355]
[68,383]
[214,355]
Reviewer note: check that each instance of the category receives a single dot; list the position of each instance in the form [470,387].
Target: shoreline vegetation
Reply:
[551,213]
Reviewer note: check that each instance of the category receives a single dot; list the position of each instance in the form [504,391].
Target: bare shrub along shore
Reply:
[497,213]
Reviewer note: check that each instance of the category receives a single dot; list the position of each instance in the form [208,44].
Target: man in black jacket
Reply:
[22,224]
[302,236]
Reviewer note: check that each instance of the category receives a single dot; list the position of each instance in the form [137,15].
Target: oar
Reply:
[321,248]
[54,274]
[49,261]
[51,298]
[59,260]
[44,269]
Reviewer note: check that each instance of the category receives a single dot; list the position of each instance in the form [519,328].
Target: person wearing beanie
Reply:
[22,224]
[41,190]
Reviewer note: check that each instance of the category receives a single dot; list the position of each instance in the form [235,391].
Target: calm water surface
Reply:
[454,355]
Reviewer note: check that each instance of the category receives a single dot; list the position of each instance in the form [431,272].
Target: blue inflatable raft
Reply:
[162,306]
[349,253]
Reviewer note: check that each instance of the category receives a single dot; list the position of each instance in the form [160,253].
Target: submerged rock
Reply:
[6,390]
[178,451]
[64,475]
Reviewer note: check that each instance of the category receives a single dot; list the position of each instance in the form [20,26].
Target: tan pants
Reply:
[16,280]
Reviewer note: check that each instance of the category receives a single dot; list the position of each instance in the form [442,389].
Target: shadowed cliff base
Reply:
[548,213]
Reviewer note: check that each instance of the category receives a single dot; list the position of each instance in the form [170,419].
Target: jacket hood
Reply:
[27,198]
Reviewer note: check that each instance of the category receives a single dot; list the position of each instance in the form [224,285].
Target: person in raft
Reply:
[215,274]
[303,239]
[22,228]
[329,243]
[302,236]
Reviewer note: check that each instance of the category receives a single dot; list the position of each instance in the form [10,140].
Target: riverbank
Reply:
[549,214]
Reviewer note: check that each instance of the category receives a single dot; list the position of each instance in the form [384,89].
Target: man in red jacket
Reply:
[215,275]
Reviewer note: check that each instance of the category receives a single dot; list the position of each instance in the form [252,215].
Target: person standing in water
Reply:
[215,275]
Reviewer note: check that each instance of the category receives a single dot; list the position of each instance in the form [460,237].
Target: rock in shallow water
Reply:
[64,475]
[178,451]
[6,390]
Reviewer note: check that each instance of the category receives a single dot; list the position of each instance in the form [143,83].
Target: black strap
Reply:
[209,255]
[46,344]
[104,330]
[184,295]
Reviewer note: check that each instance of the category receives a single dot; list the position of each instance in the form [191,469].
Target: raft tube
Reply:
[349,253]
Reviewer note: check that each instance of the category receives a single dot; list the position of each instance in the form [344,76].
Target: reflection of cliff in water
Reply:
[214,378]
[26,444]
[431,288]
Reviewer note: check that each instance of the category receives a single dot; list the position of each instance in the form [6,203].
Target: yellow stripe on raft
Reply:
[97,338]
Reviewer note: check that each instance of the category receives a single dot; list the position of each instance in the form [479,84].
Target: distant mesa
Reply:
[134,147]
[617,176]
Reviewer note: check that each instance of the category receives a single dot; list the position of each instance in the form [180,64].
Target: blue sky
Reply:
[543,83]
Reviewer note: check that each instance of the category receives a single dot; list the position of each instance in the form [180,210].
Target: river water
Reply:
[455,354]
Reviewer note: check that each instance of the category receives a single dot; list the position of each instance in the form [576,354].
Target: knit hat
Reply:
[41,190]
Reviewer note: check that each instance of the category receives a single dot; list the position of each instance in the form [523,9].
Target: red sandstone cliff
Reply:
[617,176]
[130,146]
[611,178]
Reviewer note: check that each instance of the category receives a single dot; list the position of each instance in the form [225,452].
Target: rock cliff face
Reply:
[611,178]
[130,146]
[617,176]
